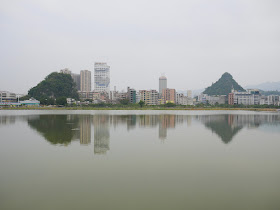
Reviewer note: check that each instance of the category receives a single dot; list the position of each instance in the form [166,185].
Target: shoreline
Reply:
[139,109]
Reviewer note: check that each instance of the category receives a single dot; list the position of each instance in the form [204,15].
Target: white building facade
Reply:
[251,97]
[181,99]
[101,77]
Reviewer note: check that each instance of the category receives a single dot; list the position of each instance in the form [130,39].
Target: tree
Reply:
[26,97]
[169,104]
[124,101]
[47,101]
[141,103]
[61,101]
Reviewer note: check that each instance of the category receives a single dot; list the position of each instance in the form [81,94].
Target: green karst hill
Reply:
[55,86]
[223,86]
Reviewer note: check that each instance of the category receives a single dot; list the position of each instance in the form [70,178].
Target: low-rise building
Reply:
[219,99]
[181,99]
[250,97]
[30,102]
[214,99]
[202,98]
[270,100]
[6,96]
[71,101]
[93,95]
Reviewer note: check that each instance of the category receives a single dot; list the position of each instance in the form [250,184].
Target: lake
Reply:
[139,160]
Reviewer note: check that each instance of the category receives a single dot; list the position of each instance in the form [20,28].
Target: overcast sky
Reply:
[192,41]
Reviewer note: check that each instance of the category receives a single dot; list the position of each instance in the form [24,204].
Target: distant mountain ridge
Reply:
[223,86]
[266,86]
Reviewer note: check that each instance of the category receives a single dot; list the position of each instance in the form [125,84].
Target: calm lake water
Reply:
[139,160]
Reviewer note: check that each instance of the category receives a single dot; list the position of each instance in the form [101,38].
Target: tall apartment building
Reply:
[150,97]
[85,80]
[162,84]
[101,77]
[131,93]
[144,95]
[168,95]
[77,80]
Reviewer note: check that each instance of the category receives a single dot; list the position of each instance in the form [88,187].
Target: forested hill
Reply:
[223,86]
[55,85]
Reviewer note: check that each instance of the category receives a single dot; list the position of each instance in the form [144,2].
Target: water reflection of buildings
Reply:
[85,129]
[63,129]
[166,121]
[5,120]
[101,134]
[12,119]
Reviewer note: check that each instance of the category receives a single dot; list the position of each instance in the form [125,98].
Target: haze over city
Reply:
[192,42]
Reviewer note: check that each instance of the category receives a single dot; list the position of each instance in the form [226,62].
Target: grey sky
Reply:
[193,42]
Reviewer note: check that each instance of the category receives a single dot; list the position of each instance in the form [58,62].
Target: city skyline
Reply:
[193,42]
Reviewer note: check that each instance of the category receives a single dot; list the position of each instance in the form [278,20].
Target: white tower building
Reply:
[101,77]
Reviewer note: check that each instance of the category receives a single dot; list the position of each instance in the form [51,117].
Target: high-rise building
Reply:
[131,93]
[101,77]
[77,80]
[85,80]
[162,84]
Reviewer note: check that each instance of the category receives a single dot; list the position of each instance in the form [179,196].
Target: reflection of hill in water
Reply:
[227,126]
[57,129]
[222,128]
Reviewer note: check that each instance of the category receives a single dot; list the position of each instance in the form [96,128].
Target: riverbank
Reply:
[138,108]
